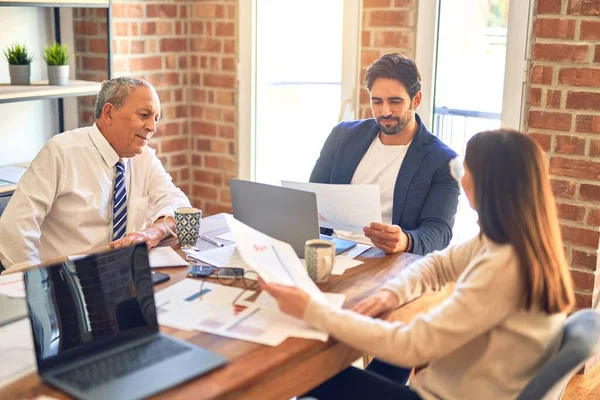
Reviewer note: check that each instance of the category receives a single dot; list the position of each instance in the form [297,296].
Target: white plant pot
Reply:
[58,75]
[19,74]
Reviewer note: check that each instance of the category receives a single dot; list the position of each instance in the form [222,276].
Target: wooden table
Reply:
[261,372]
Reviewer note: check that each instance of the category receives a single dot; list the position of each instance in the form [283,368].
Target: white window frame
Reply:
[426,55]
[520,14]
[246,75]
[515,75]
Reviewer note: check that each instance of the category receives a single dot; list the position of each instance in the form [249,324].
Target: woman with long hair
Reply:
[504,318]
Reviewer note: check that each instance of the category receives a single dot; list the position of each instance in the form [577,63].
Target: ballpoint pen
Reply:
[211,240]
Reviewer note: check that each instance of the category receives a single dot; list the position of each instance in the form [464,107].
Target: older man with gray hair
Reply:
[94,186]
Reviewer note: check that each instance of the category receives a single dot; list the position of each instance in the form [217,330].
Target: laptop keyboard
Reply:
[120,364]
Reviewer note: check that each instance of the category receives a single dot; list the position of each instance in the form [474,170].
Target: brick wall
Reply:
[563,115]
[213,101]
[187,50]
[388,26]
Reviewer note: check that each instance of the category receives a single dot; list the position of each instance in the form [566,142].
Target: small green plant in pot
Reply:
[57,57]
[19,64]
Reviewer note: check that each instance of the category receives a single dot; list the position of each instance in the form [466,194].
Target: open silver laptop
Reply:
[289,215]
[95,329]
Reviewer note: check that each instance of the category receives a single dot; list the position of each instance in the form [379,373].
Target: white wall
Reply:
[26,126]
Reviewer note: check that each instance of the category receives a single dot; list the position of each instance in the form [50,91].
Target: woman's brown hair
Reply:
[516,205]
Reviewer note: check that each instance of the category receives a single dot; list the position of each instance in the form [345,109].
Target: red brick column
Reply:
[213,99]
[563,115]
[388,26]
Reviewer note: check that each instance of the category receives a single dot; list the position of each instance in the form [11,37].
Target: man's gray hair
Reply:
[116,90]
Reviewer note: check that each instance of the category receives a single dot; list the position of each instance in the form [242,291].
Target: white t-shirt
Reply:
[379,166]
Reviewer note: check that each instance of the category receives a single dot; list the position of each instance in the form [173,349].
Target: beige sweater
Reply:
[479,343]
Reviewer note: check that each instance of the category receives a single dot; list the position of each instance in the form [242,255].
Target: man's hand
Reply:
[388,238]
[291,300]
[381,302]
[151,236]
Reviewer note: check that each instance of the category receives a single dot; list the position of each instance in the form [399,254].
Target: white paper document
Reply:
[275,261]
[227,256]
[227,236]
[342,263]
[292,326]
[357,250]
[165,257]
[16,351]
[12,174]
[262,322]
[345,207]
[12,285]
[184,306]
[188,290]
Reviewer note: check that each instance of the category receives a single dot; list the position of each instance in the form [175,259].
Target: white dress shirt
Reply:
[64,201]
[379,166]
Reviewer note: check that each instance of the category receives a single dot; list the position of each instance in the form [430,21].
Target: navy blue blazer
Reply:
[425,195]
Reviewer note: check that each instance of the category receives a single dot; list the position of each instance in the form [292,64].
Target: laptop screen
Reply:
[79,305]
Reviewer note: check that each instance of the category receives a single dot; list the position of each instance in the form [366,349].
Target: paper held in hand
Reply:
[275,261]
[345,207]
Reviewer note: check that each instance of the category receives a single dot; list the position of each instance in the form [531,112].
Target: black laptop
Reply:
[95,330]
[289,215]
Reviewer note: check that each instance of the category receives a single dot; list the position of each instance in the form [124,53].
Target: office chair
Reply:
[581,336]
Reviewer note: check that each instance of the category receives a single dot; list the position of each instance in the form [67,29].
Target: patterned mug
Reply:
[187,225]
[319,256]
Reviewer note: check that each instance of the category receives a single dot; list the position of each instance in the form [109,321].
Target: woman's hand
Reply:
[291,300]
[381,302]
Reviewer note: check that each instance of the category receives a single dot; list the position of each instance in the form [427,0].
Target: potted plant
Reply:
[19,64]
[57,57]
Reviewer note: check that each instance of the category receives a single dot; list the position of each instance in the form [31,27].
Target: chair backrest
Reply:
[3,203]
[581,336]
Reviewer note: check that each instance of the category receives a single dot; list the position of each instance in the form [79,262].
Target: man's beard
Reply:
[394,129]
